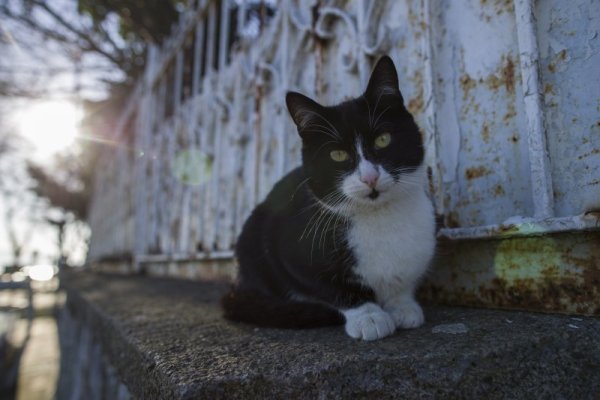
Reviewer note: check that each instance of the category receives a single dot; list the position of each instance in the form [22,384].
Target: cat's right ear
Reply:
[302,109]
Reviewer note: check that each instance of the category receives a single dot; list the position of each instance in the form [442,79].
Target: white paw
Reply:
[407,316]
[368,322]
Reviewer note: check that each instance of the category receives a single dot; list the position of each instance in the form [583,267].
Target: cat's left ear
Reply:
[384,80]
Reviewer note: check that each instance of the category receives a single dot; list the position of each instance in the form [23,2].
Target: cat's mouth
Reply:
[374,194]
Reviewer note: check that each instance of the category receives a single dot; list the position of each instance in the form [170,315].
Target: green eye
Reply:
[338,155]
[383,140]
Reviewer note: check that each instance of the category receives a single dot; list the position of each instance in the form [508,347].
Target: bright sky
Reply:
[50,126]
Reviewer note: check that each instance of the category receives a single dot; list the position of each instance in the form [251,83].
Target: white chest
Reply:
[393,246]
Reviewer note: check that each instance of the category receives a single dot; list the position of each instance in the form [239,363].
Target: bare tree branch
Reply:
[92,45]
[87,45]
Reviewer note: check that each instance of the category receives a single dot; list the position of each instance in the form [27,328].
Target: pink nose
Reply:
[370,178]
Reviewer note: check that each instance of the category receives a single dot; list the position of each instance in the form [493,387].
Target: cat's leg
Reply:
[368,322]
[404,310]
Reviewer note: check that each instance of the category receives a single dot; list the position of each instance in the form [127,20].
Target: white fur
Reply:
[368,322]
[393,238]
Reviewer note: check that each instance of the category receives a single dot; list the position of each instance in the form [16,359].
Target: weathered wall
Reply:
[569,40]
[506,93]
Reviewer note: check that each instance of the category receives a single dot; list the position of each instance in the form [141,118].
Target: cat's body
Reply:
[346,237]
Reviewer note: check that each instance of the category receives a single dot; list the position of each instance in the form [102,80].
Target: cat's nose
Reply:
[370,178]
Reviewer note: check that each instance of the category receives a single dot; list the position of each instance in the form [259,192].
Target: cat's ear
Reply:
[302,109]
[384,79]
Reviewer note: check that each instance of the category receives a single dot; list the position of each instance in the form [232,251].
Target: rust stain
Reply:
[594,182]
[496,8]
[499,191]
[510,113]
[501,6]
[591,153]
[451,220]
[505,77]
[467,83]
[417,22]
[505,6]
[485,132]
[549,294]
[402,44]
[561,56]
[430,179]
[417,103]
[549,89]
[476,172]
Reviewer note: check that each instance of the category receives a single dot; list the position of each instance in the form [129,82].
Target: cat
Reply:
[346,237]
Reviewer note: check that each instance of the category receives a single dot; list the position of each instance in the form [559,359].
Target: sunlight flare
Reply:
[51,126]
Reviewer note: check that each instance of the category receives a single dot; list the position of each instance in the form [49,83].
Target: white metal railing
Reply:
[211,133]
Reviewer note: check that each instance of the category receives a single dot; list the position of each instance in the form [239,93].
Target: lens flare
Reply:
[519,259]
[191,167]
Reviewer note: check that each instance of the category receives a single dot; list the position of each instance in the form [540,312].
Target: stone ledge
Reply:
[166,339]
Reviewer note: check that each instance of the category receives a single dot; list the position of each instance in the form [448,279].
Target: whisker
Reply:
[377,105]
[324,120]
[379,117]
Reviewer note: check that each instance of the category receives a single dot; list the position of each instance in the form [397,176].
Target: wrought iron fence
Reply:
[506,94]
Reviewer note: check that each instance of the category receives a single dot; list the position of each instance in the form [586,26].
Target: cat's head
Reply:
[362,153]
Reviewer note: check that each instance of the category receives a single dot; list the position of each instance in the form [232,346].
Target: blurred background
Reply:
[66,67]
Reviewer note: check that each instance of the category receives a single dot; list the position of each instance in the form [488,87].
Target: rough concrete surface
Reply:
[166,339]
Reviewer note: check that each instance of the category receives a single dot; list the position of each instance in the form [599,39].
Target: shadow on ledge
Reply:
[152,338]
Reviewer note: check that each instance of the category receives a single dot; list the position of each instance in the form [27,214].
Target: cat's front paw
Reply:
[368,322]
[407,316]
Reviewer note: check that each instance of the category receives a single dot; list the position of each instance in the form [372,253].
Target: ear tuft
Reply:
[384,79]
[302,109]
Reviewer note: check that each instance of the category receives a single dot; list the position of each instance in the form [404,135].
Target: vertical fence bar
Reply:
[280,89]
[205,191]
[431,139]
[541,180]
[143,127]
[361,23]
[178,80]
[196,79]
[241,15]
[211,39]
[224,39]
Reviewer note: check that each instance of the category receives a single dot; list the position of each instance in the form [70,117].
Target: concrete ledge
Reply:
[166,339]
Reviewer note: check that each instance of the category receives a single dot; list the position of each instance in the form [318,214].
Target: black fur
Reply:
[293,273]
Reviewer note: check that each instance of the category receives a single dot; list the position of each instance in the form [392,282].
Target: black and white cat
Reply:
[346,237]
